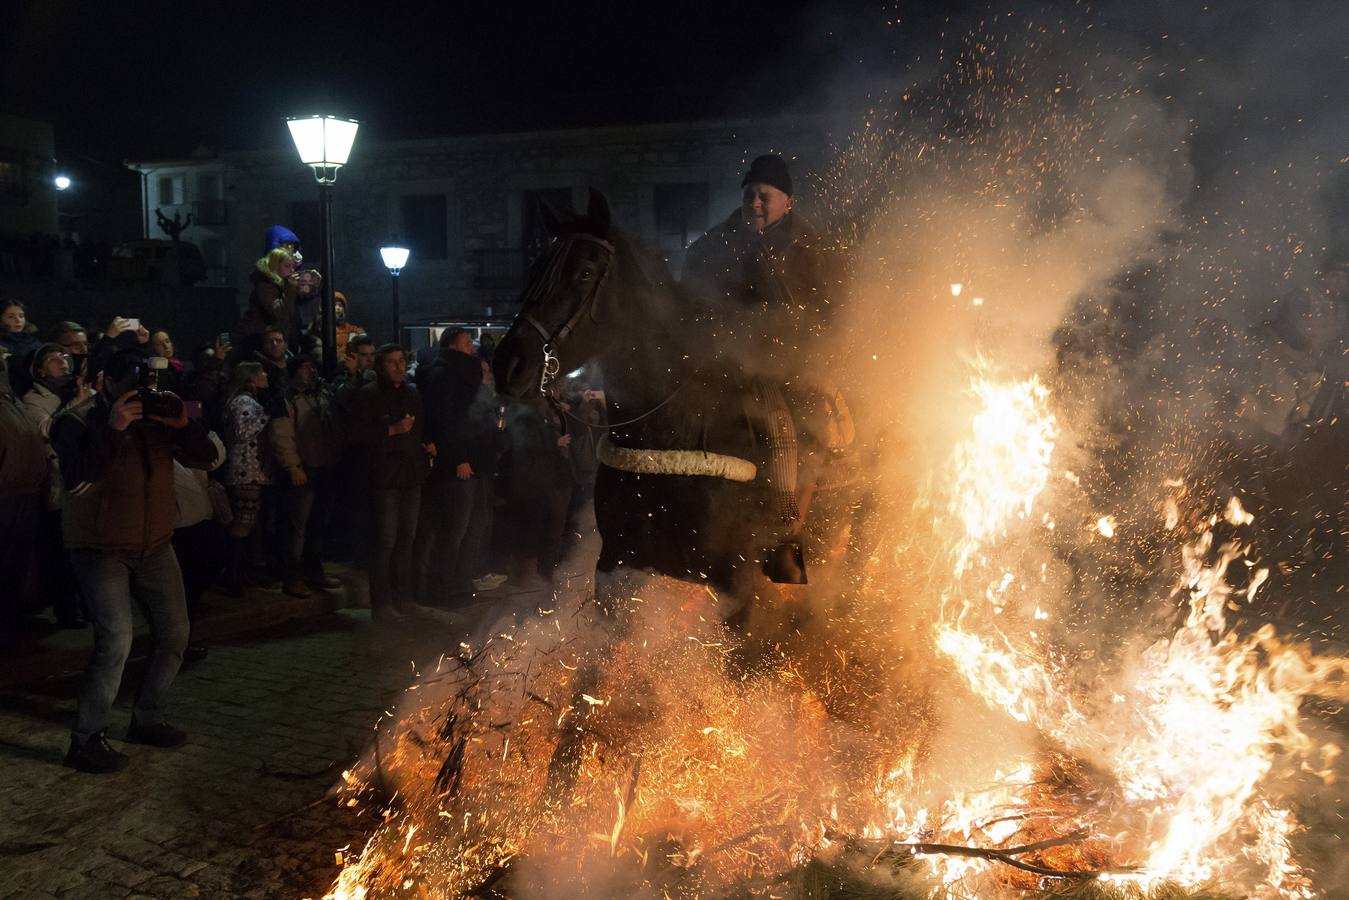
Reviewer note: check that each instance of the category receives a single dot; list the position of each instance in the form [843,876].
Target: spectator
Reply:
[23,473]
[117,466]
[272,302]
[273,357]
[55,388]
[199,538]
[345,330]
[74,340]
[358,370]
[456,526]
[20,339]
[305,441]
[387,426]
[247,470]
[173,376]
[540,487]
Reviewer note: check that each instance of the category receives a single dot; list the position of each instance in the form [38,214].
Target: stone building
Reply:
[467,206]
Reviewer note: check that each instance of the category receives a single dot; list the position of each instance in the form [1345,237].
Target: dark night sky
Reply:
[153,79]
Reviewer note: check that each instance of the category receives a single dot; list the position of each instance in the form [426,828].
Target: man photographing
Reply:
[116,460]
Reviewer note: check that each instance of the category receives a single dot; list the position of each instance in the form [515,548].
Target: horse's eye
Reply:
[586,274]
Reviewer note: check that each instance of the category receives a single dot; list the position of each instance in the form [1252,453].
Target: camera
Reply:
[155,402]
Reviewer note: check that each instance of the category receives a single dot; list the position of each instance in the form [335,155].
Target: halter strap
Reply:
[543,287]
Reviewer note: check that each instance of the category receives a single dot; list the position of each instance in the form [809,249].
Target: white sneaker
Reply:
[489,582]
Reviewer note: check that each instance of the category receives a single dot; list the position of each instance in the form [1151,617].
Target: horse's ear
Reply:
[598,213]
[552,219]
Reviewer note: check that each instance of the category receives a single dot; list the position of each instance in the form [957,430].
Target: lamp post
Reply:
[395,258]
[324,143]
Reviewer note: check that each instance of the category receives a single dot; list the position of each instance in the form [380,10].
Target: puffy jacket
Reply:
[23,452]
[307,435]
[120,491]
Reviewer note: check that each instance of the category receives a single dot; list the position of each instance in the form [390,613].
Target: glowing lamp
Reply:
[324,143]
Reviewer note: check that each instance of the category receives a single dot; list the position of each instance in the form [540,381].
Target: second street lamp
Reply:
[324,144]
[395,258]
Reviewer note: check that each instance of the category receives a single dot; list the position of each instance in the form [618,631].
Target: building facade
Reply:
[466,206]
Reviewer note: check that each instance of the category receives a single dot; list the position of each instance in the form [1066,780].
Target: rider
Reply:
[765,279]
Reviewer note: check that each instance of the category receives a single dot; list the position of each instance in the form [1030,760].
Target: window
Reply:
[171,190]
[426,226]
[681,215]
[534,236]
[210,205]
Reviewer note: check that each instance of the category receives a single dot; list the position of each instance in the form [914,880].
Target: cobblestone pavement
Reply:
[239,811]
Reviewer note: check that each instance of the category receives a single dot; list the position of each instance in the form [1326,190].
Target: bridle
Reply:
[542,287]
[550,278]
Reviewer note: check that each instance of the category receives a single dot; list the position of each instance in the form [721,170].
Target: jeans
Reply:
[395,520]
[458,517]
[110,582]
[304,520]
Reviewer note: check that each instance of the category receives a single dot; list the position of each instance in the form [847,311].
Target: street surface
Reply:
[239,811]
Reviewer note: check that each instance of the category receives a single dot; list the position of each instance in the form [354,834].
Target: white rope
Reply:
[674,462]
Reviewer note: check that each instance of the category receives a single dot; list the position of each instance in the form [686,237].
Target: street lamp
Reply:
[395,258]
[61,182]
[324,143]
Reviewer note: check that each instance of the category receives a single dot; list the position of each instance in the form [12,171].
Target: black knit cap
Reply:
[300,359]
[769,169]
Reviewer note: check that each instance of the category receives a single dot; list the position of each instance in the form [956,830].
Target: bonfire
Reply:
[629,744]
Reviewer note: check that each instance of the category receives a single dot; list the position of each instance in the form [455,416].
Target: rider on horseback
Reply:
[766,280]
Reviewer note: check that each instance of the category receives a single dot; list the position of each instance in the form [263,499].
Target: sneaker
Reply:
[95,756]
[489,582]
[161,734]
[195,652]
[323,582]
[296,587]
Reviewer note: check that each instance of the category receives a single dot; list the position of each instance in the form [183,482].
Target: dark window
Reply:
[426,226]
[534,236]
[681,214]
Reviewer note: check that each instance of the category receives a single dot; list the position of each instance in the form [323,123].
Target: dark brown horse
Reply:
[683,486]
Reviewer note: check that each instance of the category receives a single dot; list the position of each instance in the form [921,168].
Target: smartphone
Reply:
[133,324]
[192,408]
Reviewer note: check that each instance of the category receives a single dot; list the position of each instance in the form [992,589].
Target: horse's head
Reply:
[563,305]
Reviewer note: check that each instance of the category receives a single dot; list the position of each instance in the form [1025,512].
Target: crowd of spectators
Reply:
[131,475]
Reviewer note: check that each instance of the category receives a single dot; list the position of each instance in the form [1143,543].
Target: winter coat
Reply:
[391,461]
[245,430]
[777,288]
[307,436]
[23,452]
[42,404]
[271,304]
[537,465]
[21,347]
[119,484]
[462,430]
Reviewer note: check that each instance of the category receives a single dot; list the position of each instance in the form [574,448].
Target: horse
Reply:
[686,486]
